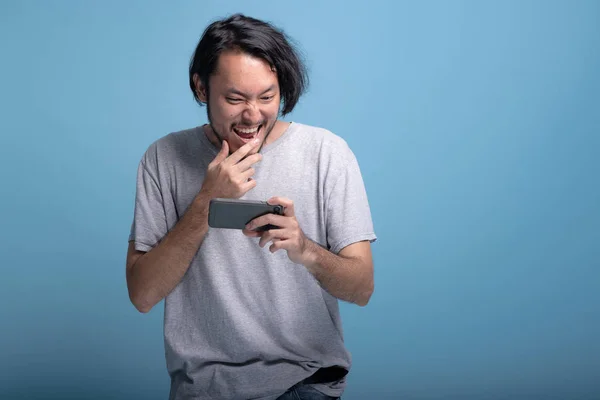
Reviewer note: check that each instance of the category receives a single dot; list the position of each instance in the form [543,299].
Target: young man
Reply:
[251,315]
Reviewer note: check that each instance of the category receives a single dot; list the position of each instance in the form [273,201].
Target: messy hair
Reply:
[258,39]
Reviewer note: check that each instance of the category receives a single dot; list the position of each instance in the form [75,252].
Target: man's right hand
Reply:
[231,176]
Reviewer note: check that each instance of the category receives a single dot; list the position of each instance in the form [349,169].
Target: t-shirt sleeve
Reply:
[348,213]
[149,224]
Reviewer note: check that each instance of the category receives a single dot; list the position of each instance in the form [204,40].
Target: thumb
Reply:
[223,153]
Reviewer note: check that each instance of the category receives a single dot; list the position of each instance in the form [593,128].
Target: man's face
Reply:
[243,100]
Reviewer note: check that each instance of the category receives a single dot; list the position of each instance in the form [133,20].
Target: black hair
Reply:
[256,38]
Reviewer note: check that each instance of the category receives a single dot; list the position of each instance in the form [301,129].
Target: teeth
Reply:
[247,131]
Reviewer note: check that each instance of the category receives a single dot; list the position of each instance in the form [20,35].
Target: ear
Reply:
[200,89]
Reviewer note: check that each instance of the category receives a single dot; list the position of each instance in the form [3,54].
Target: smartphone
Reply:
[236,213]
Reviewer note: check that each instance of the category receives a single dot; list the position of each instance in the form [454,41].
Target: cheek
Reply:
[225,112]
[272,112]
[227,115]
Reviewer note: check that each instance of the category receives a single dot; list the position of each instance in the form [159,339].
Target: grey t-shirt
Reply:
[244,323]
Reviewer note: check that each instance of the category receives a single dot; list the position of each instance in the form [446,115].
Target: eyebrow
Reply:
[235,91]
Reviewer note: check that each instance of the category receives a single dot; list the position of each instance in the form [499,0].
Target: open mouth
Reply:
[246,134]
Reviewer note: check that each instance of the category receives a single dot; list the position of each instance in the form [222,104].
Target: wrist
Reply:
[311,255]
[200,204]
[204,195]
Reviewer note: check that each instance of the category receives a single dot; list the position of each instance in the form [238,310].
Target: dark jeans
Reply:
[304,392]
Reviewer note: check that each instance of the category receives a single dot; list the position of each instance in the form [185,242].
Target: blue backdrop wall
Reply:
[476,125]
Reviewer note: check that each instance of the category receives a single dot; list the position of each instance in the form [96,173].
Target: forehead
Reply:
[243,72]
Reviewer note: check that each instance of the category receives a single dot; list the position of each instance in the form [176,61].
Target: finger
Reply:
[279,244]
[247,186]
[250,233]
[272,235]
[288,205]
[242,152]
[247,174]
[273,219]
[222,154]
[248,161]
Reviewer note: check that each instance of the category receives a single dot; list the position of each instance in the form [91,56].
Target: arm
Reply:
[347,276]
[153,275]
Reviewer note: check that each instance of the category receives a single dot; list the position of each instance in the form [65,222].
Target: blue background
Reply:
[476,125]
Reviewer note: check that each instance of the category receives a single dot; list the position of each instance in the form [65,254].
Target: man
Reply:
[248,314]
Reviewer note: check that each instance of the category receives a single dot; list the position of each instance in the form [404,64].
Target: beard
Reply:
[268,127]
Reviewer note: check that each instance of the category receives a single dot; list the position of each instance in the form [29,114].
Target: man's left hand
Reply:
[288,236]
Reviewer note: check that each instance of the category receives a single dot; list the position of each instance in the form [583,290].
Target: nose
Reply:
[251,112]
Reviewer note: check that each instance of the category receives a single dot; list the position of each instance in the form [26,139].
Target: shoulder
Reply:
[323,141]
[169,145]
[319,134]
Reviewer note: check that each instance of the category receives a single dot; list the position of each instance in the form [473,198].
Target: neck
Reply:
[273,135]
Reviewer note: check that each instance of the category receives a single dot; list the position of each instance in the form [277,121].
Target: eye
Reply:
[233,100]
[267,98]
